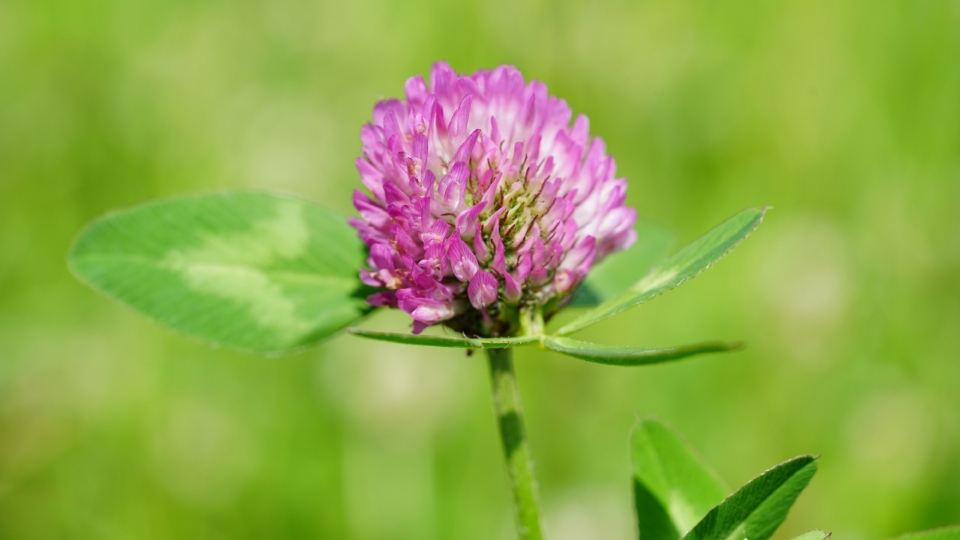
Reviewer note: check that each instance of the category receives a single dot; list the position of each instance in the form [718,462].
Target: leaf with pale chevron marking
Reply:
[246,270]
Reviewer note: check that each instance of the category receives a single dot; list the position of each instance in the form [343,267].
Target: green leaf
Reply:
[943,533]
[756,510]
[620,355]
[246,270]
[620,270]
[673,488]
[816,534]
[676,270]
[446,341]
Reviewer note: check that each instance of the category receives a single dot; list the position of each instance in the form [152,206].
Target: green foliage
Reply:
[756,510]
[621,355]
[673,492]
[246,270]
[676,270]
[677,496]
[673,488]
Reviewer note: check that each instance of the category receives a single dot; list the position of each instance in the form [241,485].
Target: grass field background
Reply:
[844,116]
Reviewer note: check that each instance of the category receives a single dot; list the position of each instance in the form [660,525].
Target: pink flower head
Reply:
[484,201]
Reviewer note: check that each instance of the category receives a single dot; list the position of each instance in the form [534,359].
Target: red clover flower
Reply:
[486,207]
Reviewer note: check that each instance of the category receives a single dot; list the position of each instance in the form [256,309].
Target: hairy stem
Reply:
[516,449]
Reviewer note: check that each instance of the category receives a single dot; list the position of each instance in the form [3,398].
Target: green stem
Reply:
[523,482]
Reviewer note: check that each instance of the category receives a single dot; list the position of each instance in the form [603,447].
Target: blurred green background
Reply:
[845,116]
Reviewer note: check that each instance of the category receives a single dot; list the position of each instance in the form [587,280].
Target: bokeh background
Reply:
[845,116]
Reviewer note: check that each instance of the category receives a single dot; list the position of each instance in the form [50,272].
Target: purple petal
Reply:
[372,212]
[539,276]
[453,187]
[512,291]
[369,279]
[383,299]
[522,271]
[537,253]
[382,256]
[466,149]
[391,125]
[418,326]
[458,122]
[434,261]
[482,290]
[371,177]
[495,131]
[479,246]
[463,262]
[405,242]
[466,222]
[420,147]
[564,281]
[427,311]
[384,108]
[436,234]
[493,220]
[499,258]
[393,195]
[580,253]
[416,90]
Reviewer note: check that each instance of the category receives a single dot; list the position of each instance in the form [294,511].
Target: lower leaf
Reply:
[673,488]
[756,510]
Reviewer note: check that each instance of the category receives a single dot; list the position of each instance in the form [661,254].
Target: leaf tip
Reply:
[733,346]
